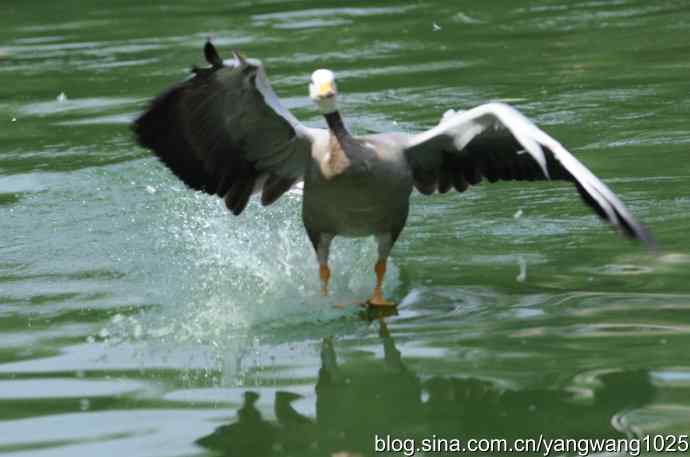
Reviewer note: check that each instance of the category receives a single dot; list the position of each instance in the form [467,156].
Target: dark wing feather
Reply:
[224,132]
[496,142]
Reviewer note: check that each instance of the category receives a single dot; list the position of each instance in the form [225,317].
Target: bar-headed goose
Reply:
[223,131]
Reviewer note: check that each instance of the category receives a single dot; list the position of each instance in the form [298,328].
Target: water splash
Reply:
[229,282]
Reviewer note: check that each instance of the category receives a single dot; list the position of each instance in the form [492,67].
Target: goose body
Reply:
[224,132]
[367,195]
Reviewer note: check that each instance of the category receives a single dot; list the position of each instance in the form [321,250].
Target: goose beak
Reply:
[326,89]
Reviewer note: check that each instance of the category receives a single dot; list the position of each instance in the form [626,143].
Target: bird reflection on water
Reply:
[385,397]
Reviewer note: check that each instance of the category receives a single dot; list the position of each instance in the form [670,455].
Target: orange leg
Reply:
[325,275]
[376,298]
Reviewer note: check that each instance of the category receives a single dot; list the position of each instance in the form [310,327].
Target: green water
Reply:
[138,318]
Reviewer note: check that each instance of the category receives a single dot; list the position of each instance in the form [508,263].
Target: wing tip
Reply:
[240,60]
[211,54]
[631,228]
[643,235]
[214,59]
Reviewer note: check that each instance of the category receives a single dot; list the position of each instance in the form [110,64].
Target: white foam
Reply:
[228,281]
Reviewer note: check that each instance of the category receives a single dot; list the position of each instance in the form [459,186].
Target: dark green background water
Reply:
[138,318]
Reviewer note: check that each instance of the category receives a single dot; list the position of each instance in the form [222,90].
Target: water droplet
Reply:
[425,396]
[522,276]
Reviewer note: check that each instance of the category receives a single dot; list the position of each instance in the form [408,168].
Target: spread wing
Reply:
[223,131]
[496,142]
